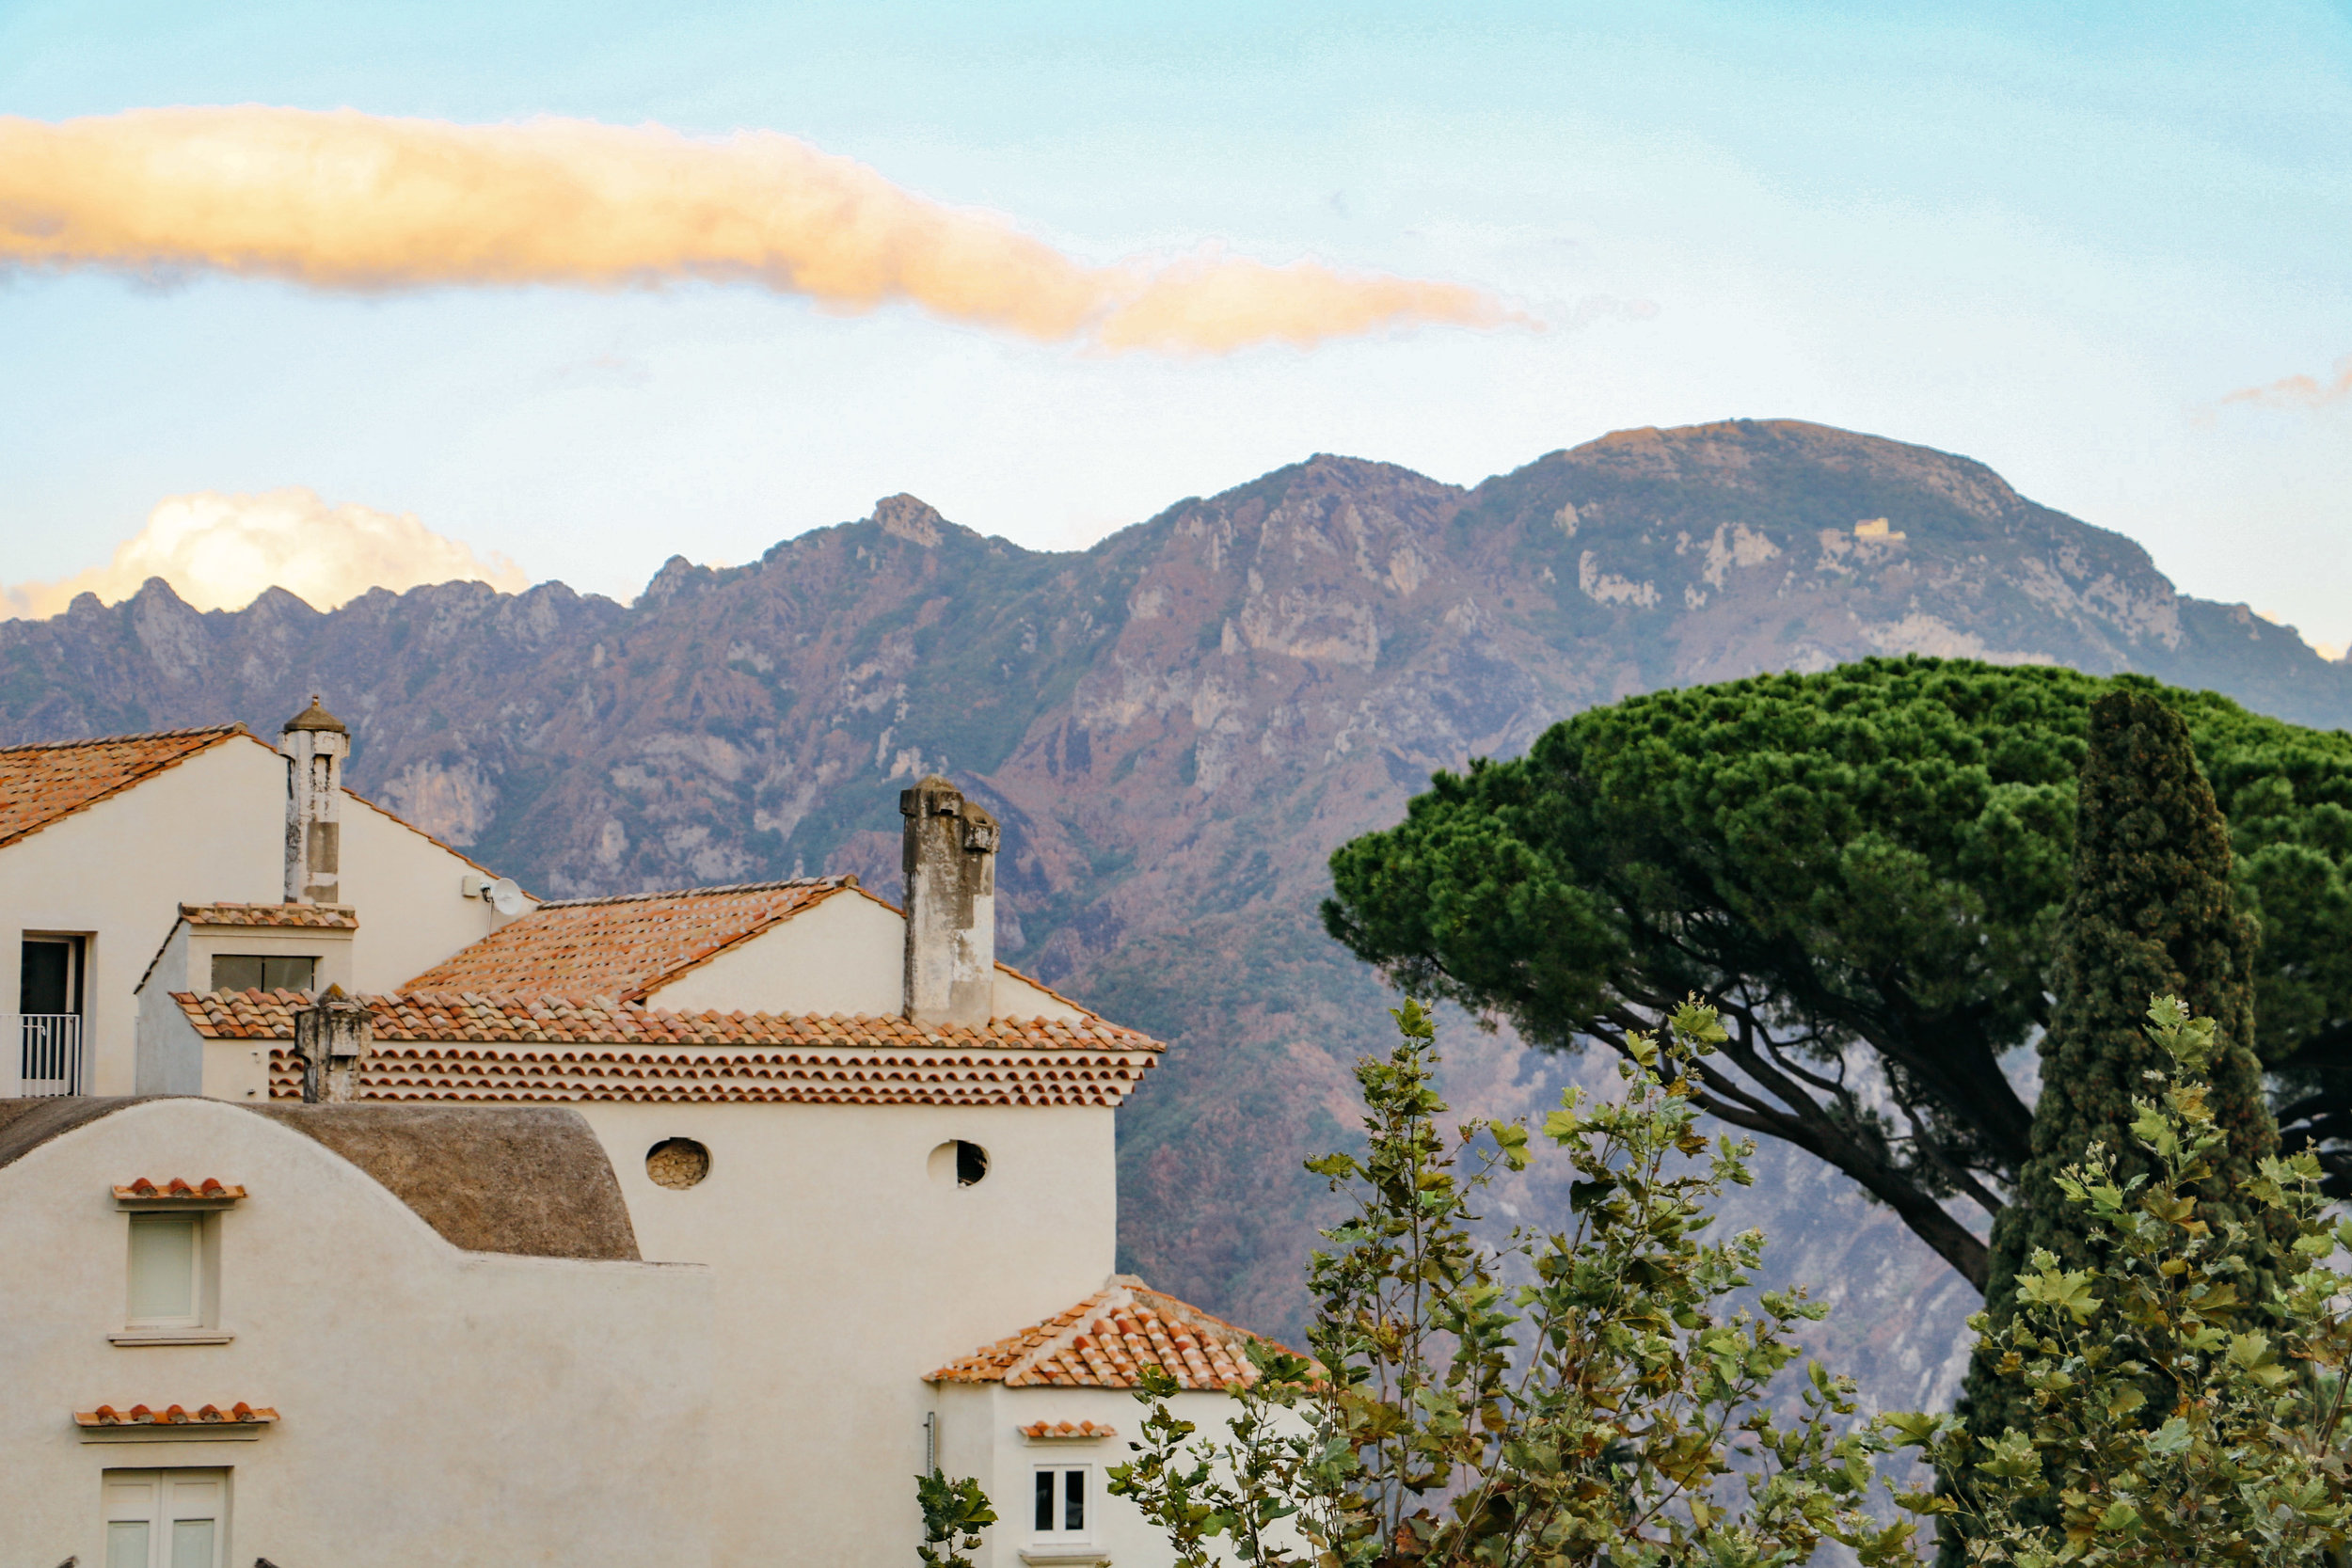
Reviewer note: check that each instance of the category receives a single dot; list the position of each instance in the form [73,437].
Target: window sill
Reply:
[171,1336]
[191,1431]
[1057,1555]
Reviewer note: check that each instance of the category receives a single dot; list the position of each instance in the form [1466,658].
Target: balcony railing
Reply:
[52,1060]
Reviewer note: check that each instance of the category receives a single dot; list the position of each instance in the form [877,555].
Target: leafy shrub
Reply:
[954,1513]
[1587,1395]
[2183,1405]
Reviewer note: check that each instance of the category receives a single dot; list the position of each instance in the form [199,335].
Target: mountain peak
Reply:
[911,518]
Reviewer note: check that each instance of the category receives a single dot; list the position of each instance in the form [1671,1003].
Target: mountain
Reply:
[1176,727]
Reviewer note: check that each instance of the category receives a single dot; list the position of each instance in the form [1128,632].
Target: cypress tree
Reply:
[2151,912]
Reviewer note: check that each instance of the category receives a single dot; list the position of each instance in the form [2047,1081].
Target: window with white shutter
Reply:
[167,1272]
[166,1518]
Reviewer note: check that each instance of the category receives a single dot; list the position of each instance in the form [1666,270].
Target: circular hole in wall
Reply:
[966,1162]
[678,1162]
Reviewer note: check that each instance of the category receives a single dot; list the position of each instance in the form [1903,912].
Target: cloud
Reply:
[355,201]
[2299,391]
[220,551]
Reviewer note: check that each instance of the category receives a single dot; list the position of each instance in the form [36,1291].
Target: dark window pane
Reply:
[253,971]
[43,978]
[1046,1499]
[1074,1499]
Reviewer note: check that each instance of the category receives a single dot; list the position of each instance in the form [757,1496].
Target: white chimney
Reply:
[314,743]
[949,856]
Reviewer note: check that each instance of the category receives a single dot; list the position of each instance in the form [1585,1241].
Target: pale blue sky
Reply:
[2051,238]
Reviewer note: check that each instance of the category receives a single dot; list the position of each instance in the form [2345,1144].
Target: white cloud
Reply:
[347,200]
[218,552]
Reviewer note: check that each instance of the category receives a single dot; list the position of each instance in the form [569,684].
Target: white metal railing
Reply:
[51,1063]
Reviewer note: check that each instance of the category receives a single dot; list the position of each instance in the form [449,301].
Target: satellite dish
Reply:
[506,896]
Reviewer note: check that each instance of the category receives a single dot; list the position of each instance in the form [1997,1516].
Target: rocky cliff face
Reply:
[1176,727]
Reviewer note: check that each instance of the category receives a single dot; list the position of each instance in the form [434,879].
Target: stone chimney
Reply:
[332,1035]
[314,743]
[950,856]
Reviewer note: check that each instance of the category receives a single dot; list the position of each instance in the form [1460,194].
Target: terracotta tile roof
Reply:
[1066,1432]
[45,784]
[178,1190]
[621,948]
[1104,1341]
[239,1413]
[314,917]
[505,1047]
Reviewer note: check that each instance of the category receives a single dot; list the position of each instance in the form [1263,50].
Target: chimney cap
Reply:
[315,717]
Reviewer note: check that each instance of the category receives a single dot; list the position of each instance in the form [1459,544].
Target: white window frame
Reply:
[1056,1532]
[264,960]
[161,1500]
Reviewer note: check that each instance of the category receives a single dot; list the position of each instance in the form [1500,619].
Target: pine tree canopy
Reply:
[1863,871]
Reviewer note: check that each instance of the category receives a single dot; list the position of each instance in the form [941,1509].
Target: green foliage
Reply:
[2151,913]
[1584,1395]
[1866,862]
[954,1513]
[2176,1404]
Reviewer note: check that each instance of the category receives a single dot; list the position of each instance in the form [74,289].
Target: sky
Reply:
[997,255]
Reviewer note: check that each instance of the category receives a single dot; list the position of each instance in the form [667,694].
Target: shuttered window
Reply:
[166,1271]
[166,1518]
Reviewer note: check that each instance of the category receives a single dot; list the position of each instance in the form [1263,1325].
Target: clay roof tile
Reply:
[1107,1340]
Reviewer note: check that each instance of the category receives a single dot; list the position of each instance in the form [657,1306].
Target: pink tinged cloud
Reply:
[220,551]
[355,201]
[2299,391]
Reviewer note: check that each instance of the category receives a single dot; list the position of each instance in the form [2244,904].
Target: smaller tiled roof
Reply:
[42,784]
[545,1048]
[622,947]
[1105,1340]
[239,1413]
[311,917]
[1066,1432]
[178,1190]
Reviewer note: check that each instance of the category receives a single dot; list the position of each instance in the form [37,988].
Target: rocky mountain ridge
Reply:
[1176,727]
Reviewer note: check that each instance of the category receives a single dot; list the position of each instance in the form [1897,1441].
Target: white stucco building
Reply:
[889,1158]
[367,1336]
[101,841]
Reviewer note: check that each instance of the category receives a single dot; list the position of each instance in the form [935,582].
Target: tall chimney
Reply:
[314,743]
[949,856]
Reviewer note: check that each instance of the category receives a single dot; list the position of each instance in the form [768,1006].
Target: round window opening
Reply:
[966,1162]
[678,1162]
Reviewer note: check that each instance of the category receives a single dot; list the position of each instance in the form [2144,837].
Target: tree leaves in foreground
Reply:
[1862,871]
[2179,1408]
[1587,1395]
[1593,1396]
[954,1513]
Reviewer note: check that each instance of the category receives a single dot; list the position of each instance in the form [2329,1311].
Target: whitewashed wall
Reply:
[846,1269]
[438,1406]
[211,829]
